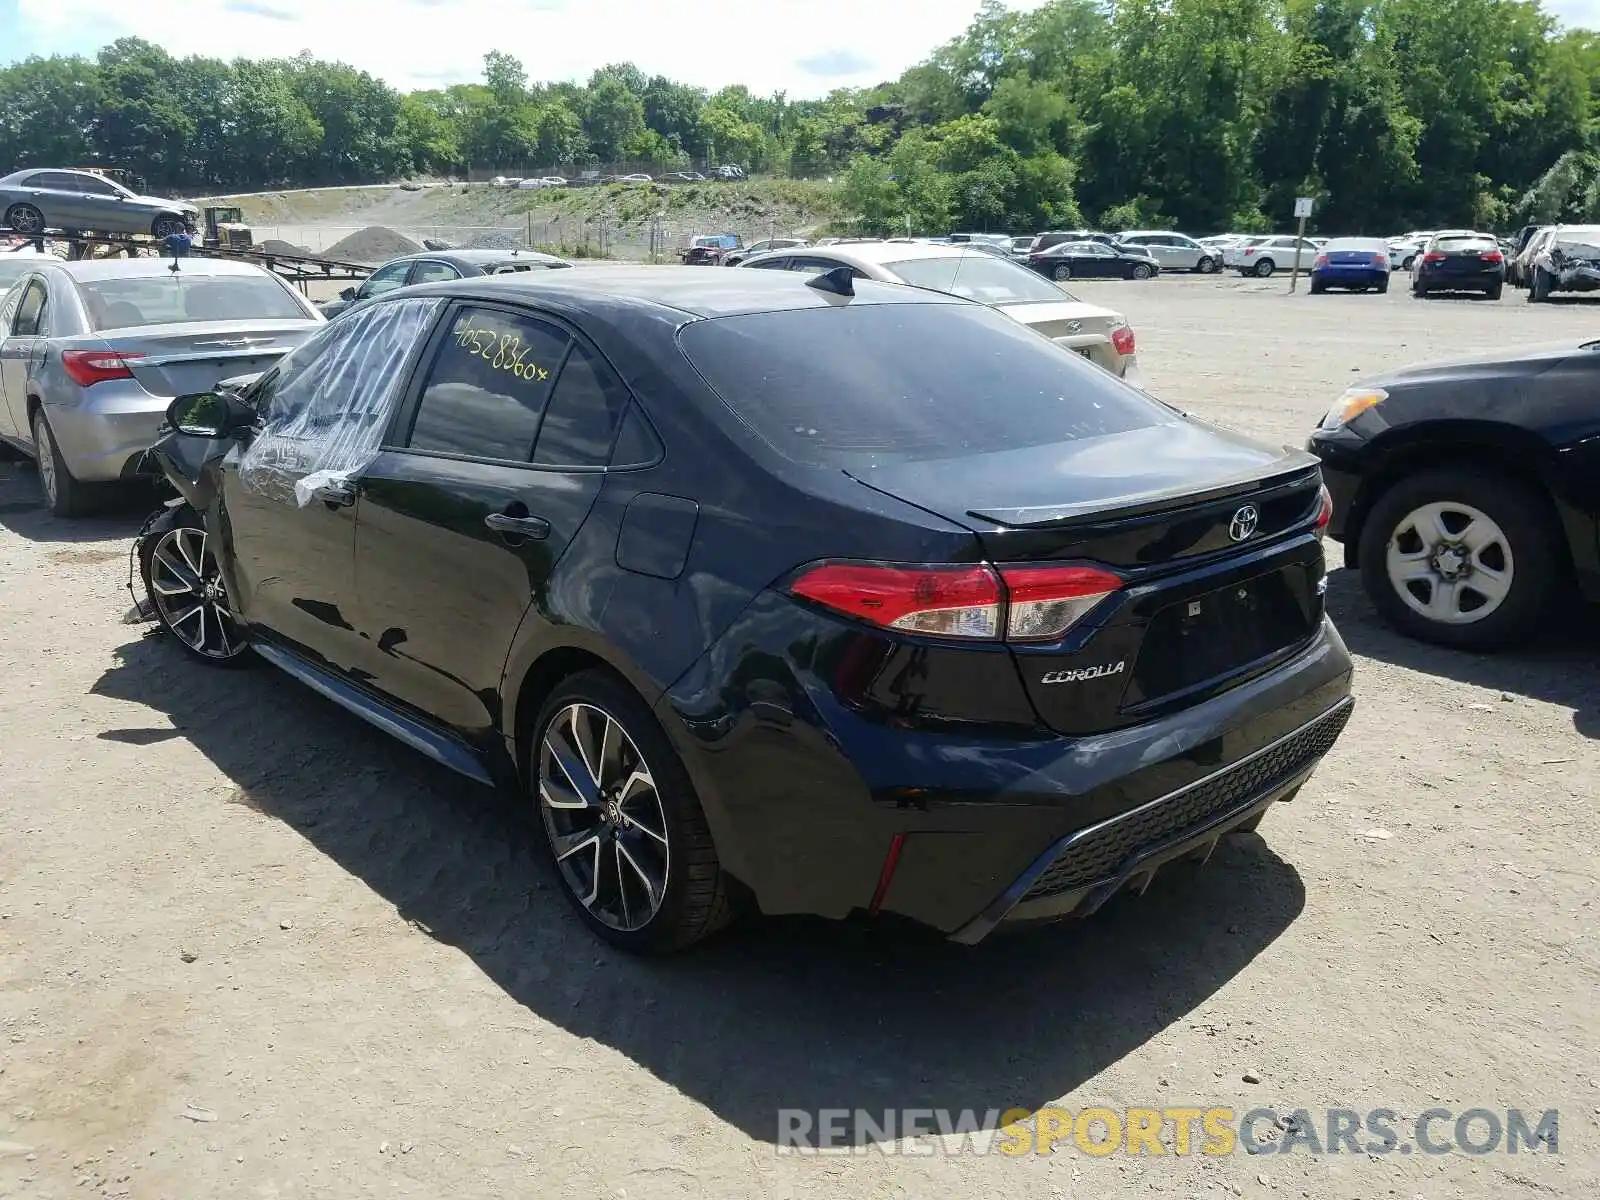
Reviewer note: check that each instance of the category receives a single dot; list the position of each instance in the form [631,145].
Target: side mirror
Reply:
[217,414]
[347,295]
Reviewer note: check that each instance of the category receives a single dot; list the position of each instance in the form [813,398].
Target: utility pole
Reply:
[1302,210]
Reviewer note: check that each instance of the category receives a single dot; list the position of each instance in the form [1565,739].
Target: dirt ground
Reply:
[251,948]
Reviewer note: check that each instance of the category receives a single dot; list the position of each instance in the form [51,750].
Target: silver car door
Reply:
[17,353]
[10,426]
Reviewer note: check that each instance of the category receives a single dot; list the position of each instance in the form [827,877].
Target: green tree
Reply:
[612,116]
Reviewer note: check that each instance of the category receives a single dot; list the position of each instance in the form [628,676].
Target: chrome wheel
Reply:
[1450,562]
[24,218]
[605,819]
[186,586]
[45,450]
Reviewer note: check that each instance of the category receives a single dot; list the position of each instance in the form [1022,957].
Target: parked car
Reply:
[734,257]
[1055,237]
[1098,334]
[433,266]
[1468,493]
[683,177]
[709,249]
[1514,254]
[1403,253]
[1174,251]
[727,171]
[94,351]
[1460,261]
[636,177]
[1568,260]
[1262,256]
[1093,260]
[738,621]
[1021,247]
[33,201]
[1355,264]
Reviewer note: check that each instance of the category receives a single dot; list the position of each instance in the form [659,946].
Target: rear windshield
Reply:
[1367,245]
[980,277]
[863,385]
[152,300]
[1464,244]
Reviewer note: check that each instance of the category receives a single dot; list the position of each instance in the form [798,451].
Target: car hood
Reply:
[1520,360]
[159,201]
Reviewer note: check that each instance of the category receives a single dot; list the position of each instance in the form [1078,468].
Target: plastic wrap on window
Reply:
[326,414]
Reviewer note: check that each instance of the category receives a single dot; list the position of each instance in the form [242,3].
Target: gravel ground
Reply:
[249,947]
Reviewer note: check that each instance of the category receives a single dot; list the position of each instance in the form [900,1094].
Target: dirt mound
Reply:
[278,246]
[374,244]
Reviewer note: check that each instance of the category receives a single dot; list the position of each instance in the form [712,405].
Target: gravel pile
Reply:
[495,240]
[277,246]
[374,244]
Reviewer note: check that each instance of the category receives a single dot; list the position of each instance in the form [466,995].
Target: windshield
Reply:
[1465,244]
[151,300]
[1367,245]
[980,277]
[865,385]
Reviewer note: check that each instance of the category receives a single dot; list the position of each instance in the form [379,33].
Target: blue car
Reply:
[1354,263]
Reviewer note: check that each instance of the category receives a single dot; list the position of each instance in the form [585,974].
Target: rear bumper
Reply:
[1472,281]
[108,428]
[1335,276]
[806,798]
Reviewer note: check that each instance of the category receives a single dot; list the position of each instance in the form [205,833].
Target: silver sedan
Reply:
[33,201]
[91,354]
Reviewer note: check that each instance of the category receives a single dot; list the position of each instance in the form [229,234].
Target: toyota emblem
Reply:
[1243,526]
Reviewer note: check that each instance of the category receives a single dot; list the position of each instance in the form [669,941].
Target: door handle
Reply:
[336,495]
[536,528]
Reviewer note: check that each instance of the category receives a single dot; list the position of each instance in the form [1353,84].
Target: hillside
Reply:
[621,216]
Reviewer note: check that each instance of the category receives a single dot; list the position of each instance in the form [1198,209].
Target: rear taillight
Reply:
[1249,250]
[1380,260]
[1324,508]
[1493,256]
[1122,339]
[1433,257]
[1321,260]
[89,367]
[974,603]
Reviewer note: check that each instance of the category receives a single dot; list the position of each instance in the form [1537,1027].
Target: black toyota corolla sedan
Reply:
[830,595]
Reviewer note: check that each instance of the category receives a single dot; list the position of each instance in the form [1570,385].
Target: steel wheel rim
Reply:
[46,459]
[604,817]
[186,586]
[1450,563]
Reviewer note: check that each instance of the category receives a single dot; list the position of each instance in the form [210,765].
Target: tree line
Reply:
[1199,114]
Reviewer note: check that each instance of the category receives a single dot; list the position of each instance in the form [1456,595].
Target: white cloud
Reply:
[769,46]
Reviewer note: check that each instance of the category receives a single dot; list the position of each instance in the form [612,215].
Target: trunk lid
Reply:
[192,357]
[1212,597]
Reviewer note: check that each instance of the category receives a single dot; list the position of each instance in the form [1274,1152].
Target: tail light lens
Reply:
[976,603]
[1324,508]
[1494,256]
[1321,260]
[89,367]
[1433,257]
[1122,339]
[1249,250]
[1380,260]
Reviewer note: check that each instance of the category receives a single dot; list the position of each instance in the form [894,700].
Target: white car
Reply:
[637,177]
[1098,334]
[498,181]
[1174,251]
[554,181]
[1261,256]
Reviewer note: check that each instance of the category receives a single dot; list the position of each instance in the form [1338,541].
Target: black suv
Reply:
[838,596]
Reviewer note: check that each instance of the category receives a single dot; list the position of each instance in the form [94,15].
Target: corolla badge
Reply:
[1083,673]
[1243,526]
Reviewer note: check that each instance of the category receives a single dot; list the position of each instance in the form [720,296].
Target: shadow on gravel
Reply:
[1561,667]
[23,511]
[779,1014]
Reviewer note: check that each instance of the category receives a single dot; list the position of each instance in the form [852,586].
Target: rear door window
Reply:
[868,384]
[485,394]
[430,271]
[30,319]
[585,410]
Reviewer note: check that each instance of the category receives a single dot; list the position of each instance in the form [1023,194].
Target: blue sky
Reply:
[804,47]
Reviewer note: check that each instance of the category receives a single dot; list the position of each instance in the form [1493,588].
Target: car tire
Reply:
[1207,266]
[184,588]
[1383,287]
[1264,267]
[1494,291]
[1519,541]
[1539,287]
[64,493]
[663,823]
[1407,263]
[24,218]
[1061,273]
[167,226]
[1142,272]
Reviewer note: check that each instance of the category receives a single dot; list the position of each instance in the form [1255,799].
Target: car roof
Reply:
[691,290]
[875,253]
[477,257]
[152,268]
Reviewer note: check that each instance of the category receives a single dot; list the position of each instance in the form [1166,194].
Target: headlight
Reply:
[1352,404]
